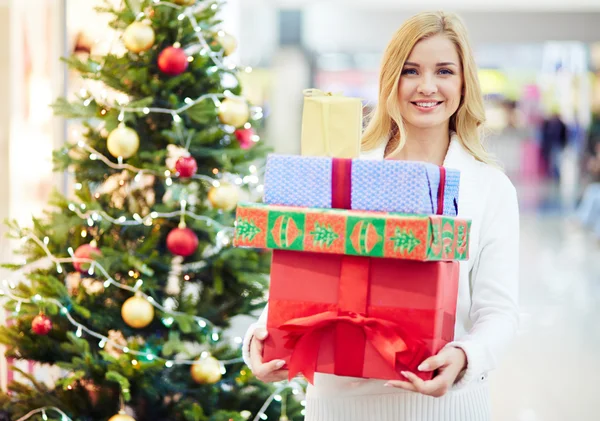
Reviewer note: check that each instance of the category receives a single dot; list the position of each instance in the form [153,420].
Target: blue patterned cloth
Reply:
[385,186]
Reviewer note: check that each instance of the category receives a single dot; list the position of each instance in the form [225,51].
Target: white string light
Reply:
[175,112]
[104,340]
[95,215]
[276,394]
[110,281]
[166,174]
[259,416]
[188,12]
[43,411]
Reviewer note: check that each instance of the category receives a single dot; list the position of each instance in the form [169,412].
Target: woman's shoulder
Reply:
[484,180]
[493,179]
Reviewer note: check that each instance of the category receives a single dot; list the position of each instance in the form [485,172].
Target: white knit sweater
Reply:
[486,317]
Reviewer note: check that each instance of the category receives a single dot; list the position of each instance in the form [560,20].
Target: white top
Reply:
[486,315]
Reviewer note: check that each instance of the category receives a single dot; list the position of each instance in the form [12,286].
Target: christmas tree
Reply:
[130,283]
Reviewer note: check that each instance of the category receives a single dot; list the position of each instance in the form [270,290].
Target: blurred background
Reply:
[539,66]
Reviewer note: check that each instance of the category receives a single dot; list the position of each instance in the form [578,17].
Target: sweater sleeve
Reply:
[261,322]
[494,283]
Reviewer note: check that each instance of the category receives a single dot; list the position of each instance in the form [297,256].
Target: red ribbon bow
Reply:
[305,335]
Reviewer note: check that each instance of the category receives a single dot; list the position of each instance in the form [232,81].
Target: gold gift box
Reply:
[331,125]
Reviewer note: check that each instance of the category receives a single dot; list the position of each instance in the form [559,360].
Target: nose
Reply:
[427,86]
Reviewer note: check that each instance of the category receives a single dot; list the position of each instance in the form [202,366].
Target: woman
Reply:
[431,109]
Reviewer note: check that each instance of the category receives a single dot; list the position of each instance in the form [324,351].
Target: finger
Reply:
[266,370]
[433,363]
[447,375]
[416,381]
[436,387]
[261,333]
[401,385]
[274,365]
[256,350]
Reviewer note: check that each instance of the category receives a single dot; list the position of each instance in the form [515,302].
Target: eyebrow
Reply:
[444,63]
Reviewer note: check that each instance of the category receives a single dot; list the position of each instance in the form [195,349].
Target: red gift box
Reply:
[358,316]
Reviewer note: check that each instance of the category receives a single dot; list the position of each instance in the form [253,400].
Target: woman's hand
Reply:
[265,372]
[449,363]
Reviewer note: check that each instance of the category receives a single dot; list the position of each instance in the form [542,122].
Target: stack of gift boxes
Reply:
[364,276]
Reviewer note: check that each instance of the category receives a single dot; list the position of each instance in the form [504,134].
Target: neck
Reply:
[427,145]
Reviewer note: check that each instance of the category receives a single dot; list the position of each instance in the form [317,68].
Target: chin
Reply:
[427,124]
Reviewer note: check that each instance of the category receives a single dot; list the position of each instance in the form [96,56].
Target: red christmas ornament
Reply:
[186,166]
[41,325]
[182,242]
[85,251]
[172,61]
[244,137]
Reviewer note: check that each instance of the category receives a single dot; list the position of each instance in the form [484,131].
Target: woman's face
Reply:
[431,84]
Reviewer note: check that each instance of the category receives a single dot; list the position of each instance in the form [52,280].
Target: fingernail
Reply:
[388,385]
[280,364]
[423,367]
[405,374]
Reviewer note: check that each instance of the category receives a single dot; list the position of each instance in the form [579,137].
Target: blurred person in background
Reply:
[588,211]
[554,137]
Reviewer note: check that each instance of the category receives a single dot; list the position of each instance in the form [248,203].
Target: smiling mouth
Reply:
[426,104]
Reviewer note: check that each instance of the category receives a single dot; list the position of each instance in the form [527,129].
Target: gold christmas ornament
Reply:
[121,416]
[206,371]
[138,37]
[234,112]
[137,312]
[185,2]
[225,197]
[228,42]
[123,142]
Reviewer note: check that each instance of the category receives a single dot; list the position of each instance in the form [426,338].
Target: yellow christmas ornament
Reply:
[206,371]
[185,2]
[137,312]
[234,111]
[123,142]
[121,416]
[228,42]
[225,197]
[138,37]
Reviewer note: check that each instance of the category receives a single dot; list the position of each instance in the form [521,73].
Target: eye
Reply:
[409,71]
[446,72]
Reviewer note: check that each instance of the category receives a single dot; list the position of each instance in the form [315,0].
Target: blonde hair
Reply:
[385,120]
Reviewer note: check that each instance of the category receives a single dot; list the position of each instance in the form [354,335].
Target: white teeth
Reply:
[427,104]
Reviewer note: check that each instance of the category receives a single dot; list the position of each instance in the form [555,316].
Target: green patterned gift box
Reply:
[358,233]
